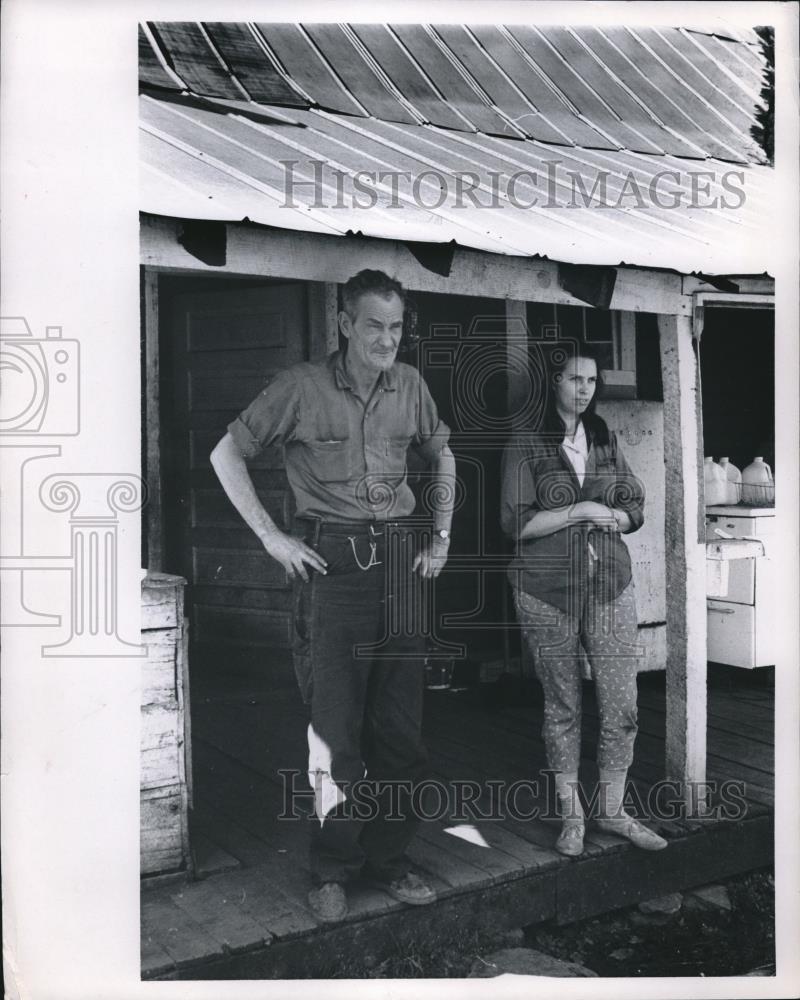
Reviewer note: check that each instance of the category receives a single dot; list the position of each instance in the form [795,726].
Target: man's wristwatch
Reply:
[442,536]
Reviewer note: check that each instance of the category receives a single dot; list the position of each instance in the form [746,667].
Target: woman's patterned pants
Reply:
[608,634]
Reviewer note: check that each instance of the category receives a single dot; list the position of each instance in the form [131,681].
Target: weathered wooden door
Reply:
[226,344]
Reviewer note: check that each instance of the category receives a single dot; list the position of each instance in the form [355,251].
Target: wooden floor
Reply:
[247,916]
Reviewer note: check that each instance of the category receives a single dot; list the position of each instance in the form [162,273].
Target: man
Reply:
[345,424]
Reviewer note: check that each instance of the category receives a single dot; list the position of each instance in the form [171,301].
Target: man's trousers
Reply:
[360,661]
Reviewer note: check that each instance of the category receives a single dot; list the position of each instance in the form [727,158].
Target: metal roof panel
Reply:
[357,73]
[455,86]
[188,50]
[305,65]
[395,60]
[240,48]
[586,145]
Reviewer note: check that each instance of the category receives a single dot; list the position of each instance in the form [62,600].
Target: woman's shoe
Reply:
[570,840]
[634,831]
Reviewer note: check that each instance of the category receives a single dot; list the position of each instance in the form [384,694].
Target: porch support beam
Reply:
[323,321]
[518,389]
[518,381]
[685,565]
[152,457]
[282,253]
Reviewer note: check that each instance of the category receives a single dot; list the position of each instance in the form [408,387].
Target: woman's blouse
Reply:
[577,451]
[581,559]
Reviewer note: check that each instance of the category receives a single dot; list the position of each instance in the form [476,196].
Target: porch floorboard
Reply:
[253,921]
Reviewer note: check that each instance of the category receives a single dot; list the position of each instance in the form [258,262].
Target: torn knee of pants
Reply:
[327,794]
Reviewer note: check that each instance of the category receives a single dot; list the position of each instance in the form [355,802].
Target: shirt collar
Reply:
[580,443]
[387,379]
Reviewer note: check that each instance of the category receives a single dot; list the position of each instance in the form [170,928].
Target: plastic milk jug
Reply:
[758,486]
[734,480]
[716,483]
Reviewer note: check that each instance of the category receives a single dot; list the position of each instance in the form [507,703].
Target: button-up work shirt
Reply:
[538,474]
[345,457]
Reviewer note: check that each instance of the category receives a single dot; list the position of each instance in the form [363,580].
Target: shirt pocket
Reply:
[395,450]
[331,461]
[605,465]
[605,482]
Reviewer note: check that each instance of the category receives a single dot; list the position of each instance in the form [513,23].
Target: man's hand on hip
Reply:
[430,562]
[292,554]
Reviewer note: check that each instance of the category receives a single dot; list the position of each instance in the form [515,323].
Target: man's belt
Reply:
[366,527]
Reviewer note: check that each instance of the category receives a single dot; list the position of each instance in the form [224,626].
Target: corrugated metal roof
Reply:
[297,125]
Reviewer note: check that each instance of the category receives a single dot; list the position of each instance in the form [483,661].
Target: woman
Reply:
[568,497]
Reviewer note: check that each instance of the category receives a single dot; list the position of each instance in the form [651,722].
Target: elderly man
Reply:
[358,561]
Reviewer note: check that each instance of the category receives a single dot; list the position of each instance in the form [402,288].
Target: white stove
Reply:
[740,623]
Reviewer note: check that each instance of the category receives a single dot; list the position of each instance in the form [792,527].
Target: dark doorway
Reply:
[221,341]
[461,352]
[737,361]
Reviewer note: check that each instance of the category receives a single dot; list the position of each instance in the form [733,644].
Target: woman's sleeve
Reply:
[518,495]
[629,490]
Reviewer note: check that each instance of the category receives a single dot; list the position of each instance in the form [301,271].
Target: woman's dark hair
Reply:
[559,357]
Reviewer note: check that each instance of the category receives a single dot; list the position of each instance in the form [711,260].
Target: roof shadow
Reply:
[221,106]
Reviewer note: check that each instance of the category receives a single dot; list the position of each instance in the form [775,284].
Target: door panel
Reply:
[226,343]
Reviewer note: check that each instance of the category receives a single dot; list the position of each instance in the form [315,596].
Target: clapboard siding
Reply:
[165,742]
[162,843]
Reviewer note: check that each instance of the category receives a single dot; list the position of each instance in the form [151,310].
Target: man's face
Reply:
[374,333]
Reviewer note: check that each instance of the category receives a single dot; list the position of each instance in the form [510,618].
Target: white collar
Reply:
[578,443]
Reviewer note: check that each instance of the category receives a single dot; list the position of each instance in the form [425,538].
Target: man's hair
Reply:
[368,282]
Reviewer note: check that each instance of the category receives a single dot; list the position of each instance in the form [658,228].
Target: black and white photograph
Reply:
[400,493]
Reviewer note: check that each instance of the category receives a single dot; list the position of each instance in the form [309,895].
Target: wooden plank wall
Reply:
[165,741]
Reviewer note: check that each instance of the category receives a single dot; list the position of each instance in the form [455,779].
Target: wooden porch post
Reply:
[516,355]
[685,564]
[517,389]
[323,321]
[152,464]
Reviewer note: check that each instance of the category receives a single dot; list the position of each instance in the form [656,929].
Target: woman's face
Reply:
[575,386]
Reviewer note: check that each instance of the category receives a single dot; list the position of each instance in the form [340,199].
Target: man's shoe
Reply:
[570,840]
[328,902]
[411,888]
[634,831]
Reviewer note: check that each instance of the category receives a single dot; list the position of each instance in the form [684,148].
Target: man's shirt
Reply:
[345,458]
